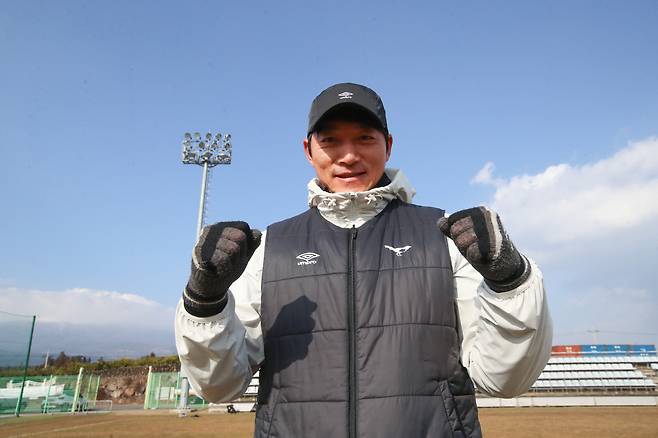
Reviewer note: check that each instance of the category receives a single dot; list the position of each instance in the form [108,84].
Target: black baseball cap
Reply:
[342,96]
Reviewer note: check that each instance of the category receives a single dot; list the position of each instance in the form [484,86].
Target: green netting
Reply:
[15,334]
[89,390]
[47,394]
[15,343]
[163,392]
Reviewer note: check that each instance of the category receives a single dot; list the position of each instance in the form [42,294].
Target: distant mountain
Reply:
[109,342]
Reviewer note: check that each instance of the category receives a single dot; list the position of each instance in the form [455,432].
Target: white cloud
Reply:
[566,203]
[89,322]
[81,306]
[485,175]
[592,229]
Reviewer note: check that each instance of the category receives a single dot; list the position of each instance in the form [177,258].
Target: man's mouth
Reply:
[349,175]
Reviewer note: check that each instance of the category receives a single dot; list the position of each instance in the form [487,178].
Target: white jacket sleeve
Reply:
[506,337]
[220,353]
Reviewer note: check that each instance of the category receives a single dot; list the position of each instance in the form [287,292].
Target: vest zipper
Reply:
[351,331]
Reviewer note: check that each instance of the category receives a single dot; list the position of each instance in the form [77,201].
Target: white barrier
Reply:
[557,401]
[232,407]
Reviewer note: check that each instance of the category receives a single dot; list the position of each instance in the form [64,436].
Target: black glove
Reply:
[220,256]
[481,238]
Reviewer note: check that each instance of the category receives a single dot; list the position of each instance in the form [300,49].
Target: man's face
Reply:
[348,156]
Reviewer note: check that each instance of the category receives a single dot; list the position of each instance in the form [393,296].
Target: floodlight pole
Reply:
[202,200]
[207,151]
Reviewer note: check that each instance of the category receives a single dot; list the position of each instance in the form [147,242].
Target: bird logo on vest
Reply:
[398,251]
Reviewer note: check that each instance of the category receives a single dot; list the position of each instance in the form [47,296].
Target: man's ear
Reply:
[389,146]
[307,148]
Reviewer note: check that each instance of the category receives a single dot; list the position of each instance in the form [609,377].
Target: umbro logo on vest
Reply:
[398,251]
[307,258]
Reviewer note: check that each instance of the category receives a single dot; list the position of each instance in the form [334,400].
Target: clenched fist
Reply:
[480,237]
[220,256]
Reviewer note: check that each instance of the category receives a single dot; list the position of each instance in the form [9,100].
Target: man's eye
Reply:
[367,138]
[327,140]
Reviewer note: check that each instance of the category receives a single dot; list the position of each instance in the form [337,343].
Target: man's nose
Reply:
[350,153]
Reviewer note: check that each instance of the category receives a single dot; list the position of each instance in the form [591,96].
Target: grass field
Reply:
[632,422]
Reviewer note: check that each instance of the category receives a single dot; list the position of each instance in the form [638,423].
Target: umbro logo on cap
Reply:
[345,95]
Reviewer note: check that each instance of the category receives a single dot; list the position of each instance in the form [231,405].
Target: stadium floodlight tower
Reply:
[207,151]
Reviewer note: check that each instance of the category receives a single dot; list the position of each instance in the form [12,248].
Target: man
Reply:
[366,315]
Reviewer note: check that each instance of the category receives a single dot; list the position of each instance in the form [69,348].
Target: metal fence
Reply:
[163,392]
[48,394]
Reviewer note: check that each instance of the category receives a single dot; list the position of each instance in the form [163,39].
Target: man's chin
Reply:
[350,186]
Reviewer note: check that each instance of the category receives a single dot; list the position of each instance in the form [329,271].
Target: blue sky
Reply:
[97,95]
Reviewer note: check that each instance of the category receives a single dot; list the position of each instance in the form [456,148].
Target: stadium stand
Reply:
[246,403]
[576,375]
[605,368]
[572,370]
[252,389]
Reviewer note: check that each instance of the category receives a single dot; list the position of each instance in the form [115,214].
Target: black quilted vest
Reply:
[360,330]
